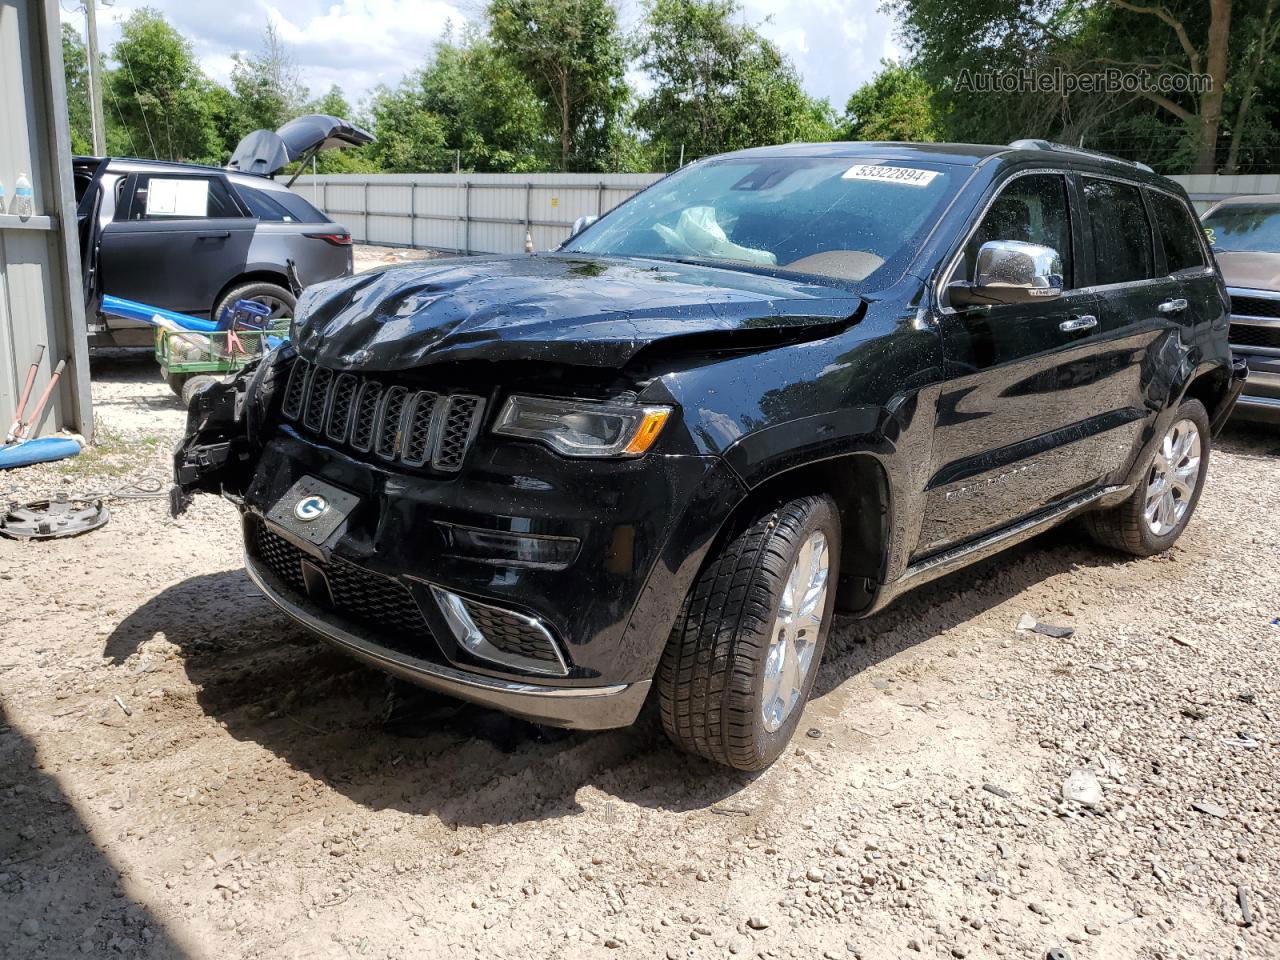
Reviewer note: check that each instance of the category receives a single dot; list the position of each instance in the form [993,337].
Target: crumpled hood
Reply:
[1247,269]
[556,307]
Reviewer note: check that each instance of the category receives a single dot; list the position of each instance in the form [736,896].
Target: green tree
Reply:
[75,65]
[951,38]
[223,110]
[160,93]
[410,138]
[267,84]
[896,104]
[333,103]
[573,58]
[490,111]
[718,84]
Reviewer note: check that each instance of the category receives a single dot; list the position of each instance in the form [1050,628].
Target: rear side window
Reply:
[279,206]
[1121,234]
[159,197]
[298,208]
[1178,231]
[1033,209]
[261,205]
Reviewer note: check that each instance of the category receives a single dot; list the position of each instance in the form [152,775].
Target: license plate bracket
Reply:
[313,509]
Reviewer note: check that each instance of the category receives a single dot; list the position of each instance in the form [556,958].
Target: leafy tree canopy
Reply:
[718,84]
[897,104]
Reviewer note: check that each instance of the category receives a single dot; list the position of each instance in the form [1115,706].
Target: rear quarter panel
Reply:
[275,244]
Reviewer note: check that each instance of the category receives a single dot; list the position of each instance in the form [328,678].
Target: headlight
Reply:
[583,428]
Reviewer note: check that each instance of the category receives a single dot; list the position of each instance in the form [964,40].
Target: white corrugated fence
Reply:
[467,213]
[491,212]
[1206,189]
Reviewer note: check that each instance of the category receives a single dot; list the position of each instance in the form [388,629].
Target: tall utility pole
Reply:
[95,80]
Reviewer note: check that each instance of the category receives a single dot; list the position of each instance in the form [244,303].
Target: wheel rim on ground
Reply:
[1173,478]
[794,636]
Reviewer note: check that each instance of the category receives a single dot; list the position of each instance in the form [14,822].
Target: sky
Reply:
[836,44]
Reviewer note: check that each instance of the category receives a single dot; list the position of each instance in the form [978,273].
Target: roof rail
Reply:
[1032,144]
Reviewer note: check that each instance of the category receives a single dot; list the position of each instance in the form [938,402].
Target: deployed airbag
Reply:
[698,234]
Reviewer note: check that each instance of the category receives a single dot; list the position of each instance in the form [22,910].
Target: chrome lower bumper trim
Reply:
[1264,409]
[581,708]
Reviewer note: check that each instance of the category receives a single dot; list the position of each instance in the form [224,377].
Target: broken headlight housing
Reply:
[583,428]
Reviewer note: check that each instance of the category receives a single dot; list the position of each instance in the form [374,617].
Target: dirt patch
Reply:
[368,256]
[185,773]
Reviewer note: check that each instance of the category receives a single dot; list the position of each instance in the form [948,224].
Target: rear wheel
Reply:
[279,299]
[742,658]
[1161,507]
[176,381]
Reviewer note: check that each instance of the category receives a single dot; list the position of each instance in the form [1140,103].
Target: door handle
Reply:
[1086,321]
[216,235]
[1173,306]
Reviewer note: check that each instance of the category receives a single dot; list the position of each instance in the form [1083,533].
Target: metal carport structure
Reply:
[41,298]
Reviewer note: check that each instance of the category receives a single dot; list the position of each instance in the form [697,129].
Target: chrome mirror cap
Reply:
[1011,271]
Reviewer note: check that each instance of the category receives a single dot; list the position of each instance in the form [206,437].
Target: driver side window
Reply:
[1032,209]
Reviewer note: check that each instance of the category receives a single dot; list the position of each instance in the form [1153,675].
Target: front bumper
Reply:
[377,585]
[1255,338]
[1260,399]
[580,708]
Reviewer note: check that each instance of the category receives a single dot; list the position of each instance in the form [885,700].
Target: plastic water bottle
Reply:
[24,200]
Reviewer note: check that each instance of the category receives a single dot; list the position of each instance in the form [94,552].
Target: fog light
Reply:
[499,635]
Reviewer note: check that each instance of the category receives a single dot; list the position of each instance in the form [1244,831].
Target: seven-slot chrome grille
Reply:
[416,428]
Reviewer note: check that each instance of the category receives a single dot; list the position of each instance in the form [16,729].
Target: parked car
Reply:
[1244,233]
[194,238]
[776,382]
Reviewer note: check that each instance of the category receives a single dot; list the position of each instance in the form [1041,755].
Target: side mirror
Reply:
[581,224]
[1010,271]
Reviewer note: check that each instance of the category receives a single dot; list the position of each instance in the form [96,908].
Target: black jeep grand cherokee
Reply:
[775,382]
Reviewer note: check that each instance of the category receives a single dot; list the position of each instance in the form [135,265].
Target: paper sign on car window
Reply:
[177,198]
[882,174]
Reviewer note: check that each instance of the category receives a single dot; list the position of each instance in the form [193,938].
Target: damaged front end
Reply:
[445,461]
[226,424]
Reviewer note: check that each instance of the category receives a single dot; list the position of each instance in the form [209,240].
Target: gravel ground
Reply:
[184,773]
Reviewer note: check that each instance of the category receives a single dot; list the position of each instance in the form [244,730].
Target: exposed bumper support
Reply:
[581,708]
[1239,378]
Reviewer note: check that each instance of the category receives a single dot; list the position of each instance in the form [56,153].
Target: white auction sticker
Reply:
[882,174]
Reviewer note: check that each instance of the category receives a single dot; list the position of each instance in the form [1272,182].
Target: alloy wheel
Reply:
[279,309]
[1173,478]
[794,636]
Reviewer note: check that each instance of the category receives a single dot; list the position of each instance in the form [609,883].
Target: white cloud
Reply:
[892,50]
[835,44]
[792,41]
[217,66]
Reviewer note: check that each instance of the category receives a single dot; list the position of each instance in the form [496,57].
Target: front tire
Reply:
[280,300]
[741,661]
[1161,507]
